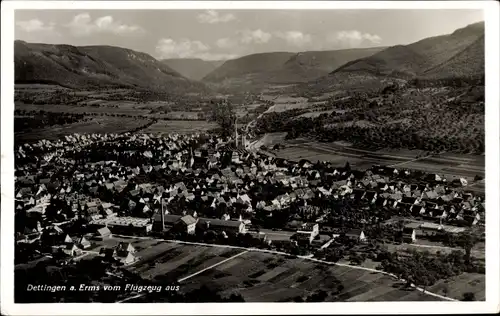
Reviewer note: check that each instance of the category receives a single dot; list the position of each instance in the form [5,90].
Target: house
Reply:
[221,225]
[381,201]
[307,232]
[84,243]
[68,240]
[357,194]
[103,232]
[410,200]
[108,253]
[440,213]
[188,224]
[471,217]
[71,250]
[371,196]
[417,210]
[430,228]
[409,235]
[356,234]
[124,248]
[169,221]
[430,195]
[129,258]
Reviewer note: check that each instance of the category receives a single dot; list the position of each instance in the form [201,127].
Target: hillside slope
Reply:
[193,68]
[414,59]
[435,57]
[248,66]
[94,66]
[467,63]
[285,67]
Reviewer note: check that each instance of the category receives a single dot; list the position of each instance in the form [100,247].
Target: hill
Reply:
[192,68]
[283,67]
[469,62]
[431,58]
[95,66]
[248,67]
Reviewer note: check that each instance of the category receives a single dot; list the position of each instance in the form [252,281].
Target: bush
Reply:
[468,297]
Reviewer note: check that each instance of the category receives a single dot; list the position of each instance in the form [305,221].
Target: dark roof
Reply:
[354,232]
[408,230]
[219,223]
[170,219]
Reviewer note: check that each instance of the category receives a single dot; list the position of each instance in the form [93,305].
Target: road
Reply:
[287,254]
[409,161]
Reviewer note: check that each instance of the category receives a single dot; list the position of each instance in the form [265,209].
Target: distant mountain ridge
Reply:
[284,67]
[420,57]
[459,55]
[192,68]
[95,66]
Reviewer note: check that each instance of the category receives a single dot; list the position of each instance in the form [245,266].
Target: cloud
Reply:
[294,38]
[353,38]
[185,48]
[217,56]
[35,25]
[82,25]
[244,37]
[226,43]
[255,36]
[213,17]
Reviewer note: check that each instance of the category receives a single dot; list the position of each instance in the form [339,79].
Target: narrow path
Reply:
[212,266]
[405,162]
[131,297]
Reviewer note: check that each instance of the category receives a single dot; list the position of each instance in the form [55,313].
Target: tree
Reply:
[469,296]
[467,241]
[223,114]
[446,290]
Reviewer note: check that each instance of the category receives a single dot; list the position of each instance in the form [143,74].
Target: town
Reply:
[210,156]
[74,196]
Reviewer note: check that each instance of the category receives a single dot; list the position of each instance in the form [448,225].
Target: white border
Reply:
[491,10]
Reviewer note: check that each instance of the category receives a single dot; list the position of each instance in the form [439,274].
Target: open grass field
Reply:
[181,127]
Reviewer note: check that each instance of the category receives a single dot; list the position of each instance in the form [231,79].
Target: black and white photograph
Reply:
[262,152]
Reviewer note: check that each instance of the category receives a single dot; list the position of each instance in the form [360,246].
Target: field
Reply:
[450,165]
[281,107]
[101,124]
[457,286]
[318,113]
[115,117]
[124,108]
[260,277]
[181,127]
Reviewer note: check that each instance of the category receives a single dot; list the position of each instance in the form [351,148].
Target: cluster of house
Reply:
[430,199]
[127,183]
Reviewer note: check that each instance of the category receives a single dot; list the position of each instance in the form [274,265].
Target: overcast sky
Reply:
[226,34]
